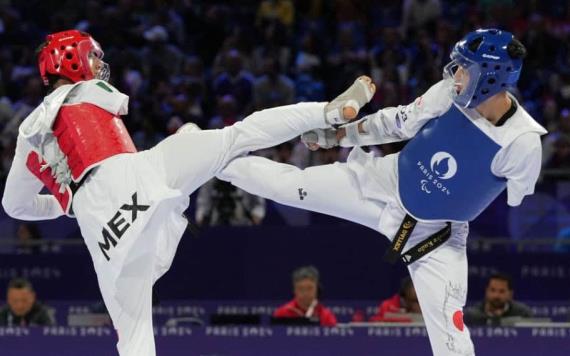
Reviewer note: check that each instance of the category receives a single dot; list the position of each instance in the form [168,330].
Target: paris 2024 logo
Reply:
[442,166]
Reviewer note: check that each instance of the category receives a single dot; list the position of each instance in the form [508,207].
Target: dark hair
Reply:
[474,44]
[306,272]
[502,277]
[516,49]
[20,283]
[52,79]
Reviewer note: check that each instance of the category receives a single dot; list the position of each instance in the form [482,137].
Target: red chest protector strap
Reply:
[34,164]
[87,135]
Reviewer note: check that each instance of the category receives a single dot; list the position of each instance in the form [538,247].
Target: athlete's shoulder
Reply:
[520,131]
[436,100]
[524,122]
[100,93]
[97,86]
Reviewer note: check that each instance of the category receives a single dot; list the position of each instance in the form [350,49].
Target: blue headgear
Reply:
[483,54]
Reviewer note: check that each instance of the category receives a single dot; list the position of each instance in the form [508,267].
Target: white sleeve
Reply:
[402,122]
[21,199]
[520,163]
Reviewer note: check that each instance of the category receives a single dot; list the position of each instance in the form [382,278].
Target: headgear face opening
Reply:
[487,66]
[465,82]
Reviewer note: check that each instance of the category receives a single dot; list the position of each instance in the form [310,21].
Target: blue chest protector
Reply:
[445,170]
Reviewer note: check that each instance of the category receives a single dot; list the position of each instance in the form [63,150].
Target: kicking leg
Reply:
[270,127]
[329,189]
[440,280]
[190,157]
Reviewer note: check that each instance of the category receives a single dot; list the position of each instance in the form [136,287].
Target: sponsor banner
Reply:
[293,340]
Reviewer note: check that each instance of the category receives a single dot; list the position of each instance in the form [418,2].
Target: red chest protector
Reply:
[87,135]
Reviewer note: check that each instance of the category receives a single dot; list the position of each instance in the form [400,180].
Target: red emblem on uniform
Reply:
[458,320]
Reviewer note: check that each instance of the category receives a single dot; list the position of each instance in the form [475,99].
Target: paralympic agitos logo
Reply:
[442,166]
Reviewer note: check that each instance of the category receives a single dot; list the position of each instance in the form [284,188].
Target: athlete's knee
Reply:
[189,127]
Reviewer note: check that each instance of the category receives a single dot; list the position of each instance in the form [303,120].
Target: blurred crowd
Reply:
[214,62]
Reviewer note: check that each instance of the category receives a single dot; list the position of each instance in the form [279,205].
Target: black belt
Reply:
[75,187]
[418,251]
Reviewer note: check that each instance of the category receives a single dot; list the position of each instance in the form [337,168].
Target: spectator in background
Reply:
[282,11]
[309,88]
[28,234]
[275,44]
[556,146]
[235,80]
[22,308]
[308,57]
[420,14]
[220,203]
[308,66]
[347,59]
[148,135]
[498,303]
[405,301]
[161,57]
[272,89]
[6,110]
[227,113]
[305,303]
[32,96]
[560,158]
[7,148]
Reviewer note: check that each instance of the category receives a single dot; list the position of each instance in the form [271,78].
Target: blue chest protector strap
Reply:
[418,251]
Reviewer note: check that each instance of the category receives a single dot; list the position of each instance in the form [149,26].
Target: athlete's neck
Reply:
[495,107]
[61,82]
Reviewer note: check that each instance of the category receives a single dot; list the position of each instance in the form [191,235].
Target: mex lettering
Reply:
[118,225]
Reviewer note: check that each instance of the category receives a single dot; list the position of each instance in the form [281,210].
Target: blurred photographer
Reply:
[220,203]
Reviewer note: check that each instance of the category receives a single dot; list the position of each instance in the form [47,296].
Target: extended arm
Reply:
[389,124]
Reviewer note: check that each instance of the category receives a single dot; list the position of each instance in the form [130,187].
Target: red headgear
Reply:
[67,54]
